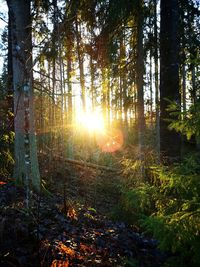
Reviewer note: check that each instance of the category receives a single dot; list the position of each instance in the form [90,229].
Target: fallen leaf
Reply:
[87,249]
[72,213]
[60,263]
[67,250]
[84,248]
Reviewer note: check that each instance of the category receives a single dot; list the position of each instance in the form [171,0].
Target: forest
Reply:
[100,133]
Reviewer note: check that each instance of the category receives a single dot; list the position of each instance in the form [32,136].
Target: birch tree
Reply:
[26,162]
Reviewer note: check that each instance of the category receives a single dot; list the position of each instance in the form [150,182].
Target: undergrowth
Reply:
[168,207]
[6,157]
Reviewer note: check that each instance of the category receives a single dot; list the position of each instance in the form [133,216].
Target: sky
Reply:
[3,16]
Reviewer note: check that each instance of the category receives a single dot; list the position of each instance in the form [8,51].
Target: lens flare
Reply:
[111,141]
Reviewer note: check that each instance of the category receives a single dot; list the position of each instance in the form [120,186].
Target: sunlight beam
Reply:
[91,121]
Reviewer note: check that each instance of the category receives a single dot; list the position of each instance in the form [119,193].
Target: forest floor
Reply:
[51,234]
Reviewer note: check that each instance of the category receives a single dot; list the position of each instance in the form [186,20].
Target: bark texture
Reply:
[170,142]
[26,161]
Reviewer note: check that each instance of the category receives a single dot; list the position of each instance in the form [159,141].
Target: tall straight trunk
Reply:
[81,66]
[151,90]
[139,77]
[113,101]
[26,161]
[183,62]
[61,80]
[194,92]
[70,146]
[92,86]
[134,108]
[184,87]
[169,76]
[62,97]
[157,139]
[183,103]
[54,39]
[61,64]
[108,99]
[50,107]
[120,99]
[195,98]
[104,92]
[134,74]
[123,80]
[41,140]
[10,72]
[104,79]
[69,82]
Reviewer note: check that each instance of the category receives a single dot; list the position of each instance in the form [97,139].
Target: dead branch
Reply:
[92,165]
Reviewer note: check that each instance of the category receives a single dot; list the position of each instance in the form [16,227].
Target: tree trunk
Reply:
[26,161]
[81,65]
[184,87]
[104,91]
[54,69]
[151,91]
[139,77]
[156,82]
[69,82]
[92,86]
[170,142]
[10,73]
[70,141]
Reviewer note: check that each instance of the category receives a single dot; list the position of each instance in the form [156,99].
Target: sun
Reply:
[91,121]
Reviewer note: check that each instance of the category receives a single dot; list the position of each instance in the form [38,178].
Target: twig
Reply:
[3,20]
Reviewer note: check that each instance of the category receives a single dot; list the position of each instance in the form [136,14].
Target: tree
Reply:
[80,55]
[139,76]
[26,161]
[156,79]
[169,75]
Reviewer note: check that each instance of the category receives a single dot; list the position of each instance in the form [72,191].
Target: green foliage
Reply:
[138,203]
[132,172]
[6,157]
[169,208]
[137,195]
[131,263]
[188,122]
[176,220]
[137,170]
[6,135]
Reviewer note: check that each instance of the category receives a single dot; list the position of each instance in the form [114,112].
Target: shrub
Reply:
[176,220]
[168,207]
[6,157]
